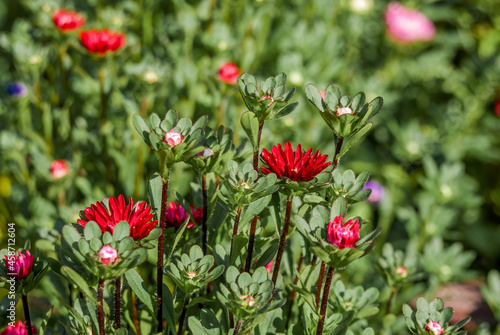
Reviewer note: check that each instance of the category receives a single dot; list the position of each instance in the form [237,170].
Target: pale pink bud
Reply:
[206,153]
[405,25]
[434,328]
[343,235]
[401,270]
[228,73]
[173,138]
[269,266]
[108,255]
[59,169]
[248,300]
[344,110]
[191,275]
[268,97]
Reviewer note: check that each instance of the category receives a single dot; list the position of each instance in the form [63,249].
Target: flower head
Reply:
[176,215]
[401,270]
[19,266]
[378,191]
[138,216]
[191,275]
[18,329]
[102,41]
[59,169]
[343,235]
[296,166]
[344,110]
[228,73]
[269,266]
[405,25]
[434,328]
[173,138]
[17,90]
[66,20]
[107,255]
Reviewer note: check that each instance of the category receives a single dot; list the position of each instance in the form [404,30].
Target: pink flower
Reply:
[176,215]
[173,138]
[19,266]
[66,20]
[405,25]
[59,169]
[191,275]
[344,110]
[401,270]
[434,328]
[269,266]
[108,255]
[343,235]
[228,73]
[18,329]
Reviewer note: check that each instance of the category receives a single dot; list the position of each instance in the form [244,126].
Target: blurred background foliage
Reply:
[435,148]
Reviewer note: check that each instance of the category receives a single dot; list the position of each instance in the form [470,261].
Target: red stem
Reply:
[205,213]
[100,306]
[235,230]
[324,301]
[320,283]
[284,234]
[27,314]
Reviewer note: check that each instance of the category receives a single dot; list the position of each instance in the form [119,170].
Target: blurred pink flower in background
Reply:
[18,329]
[406,25]
[176,215]
[378,191]
[59,169]
[228,73]
[108,255]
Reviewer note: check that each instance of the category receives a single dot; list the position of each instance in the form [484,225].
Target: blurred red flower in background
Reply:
[102,41]
[66,20]
[228,73]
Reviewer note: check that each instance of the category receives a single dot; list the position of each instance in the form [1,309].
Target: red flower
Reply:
[18,329]
[19,266]
[228,73]
[66,20]
[497,108]
[176,215]
[102,41]
[138,216]
[343,235]
[295,166]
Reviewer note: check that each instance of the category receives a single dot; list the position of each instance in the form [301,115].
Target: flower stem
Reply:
[284,234]
[235,229]
[238,326]
[27,314]
[391,298]
[159,265]
[100,306]
[205,213]
[340,140]
[253,226]
[320,283]
[183,316]
[134,313]
[118,292]
[324,301]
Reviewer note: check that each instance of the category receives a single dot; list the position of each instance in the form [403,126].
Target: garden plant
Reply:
[266,167]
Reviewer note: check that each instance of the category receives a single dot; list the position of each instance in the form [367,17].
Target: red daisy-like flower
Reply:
[102,41]
[66,20]
[293,165]
[138,216]
[176,215]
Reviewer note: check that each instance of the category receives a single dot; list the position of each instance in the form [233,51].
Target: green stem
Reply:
[27,314]
[324,301]
[159,265]
[391,298]
[284,234]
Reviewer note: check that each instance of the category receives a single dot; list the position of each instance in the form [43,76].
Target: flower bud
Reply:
[344,110]
[206,153]
[228,73]
[401,270]
[59,169]
[108,255]
[248,300]
[268,97]
[173,138]
[434,328]
[343,235]
[191,274]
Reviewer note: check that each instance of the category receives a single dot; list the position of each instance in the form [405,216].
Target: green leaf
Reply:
[314,96]
[126,244]
[354,138]
[121,230]
[155,184]
[71,235]
[92,230]
[199,300]
[339,207]
[250,124]
[72,276]
[239,242]
[176,241]
[254,209]
[142,128]
[268,254]
[137,285]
